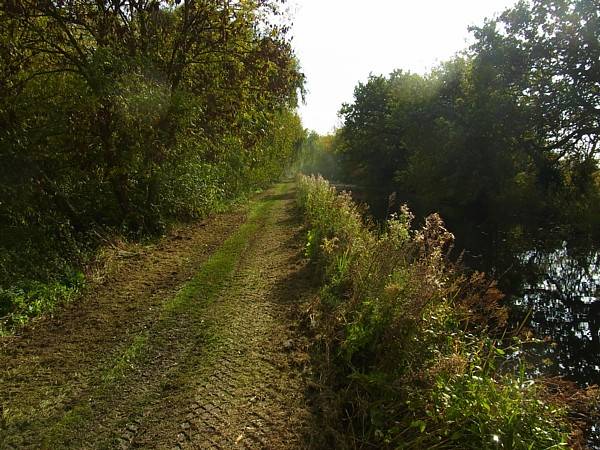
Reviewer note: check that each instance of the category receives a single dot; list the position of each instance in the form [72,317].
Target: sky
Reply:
[340,42]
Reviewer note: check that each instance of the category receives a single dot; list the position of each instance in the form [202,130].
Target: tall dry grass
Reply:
[404,339]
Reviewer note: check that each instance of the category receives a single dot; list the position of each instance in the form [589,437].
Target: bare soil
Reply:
[113,370]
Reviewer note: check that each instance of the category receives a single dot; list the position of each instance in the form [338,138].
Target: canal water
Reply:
[560,296]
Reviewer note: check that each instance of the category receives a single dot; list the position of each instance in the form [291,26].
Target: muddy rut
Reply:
[191,343]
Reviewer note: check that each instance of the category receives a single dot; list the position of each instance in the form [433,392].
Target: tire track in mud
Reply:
[247,390]
[229,373]
[51,364]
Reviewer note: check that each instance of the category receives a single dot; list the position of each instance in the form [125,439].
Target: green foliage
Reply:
[317,156]
[30,299]
[404,338]
[502,141]
[506,412]
[119,117]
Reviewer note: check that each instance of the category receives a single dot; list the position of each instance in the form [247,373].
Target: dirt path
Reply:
[192,344]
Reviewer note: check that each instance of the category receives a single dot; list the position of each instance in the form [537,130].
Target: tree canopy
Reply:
[503,139]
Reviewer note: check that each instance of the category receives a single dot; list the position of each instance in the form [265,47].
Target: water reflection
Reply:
[562,290]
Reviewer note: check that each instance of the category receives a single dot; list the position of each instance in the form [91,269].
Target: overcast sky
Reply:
[339,42]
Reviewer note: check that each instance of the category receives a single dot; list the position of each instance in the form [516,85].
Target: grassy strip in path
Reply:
[214,273]
[201,289]
[210,279]
[190,301]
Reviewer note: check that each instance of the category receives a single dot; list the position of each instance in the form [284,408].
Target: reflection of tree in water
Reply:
[564,295]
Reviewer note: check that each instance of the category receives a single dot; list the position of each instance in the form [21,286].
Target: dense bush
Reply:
[404,338]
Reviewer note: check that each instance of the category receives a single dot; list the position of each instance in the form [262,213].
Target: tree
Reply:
[552,63]
[502,140]
[129,113]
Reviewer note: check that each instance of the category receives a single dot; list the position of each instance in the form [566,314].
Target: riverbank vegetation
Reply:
[406,340]
[502,142]
[118,118]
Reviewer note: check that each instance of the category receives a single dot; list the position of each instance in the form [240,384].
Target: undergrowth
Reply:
[31,298]
[406,344]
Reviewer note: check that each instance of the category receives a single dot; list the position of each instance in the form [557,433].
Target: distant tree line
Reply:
[120,116]
[502,140]
[316,155]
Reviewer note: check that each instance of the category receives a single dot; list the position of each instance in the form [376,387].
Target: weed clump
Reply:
[405,339]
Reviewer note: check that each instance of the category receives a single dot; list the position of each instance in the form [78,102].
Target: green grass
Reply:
[133,354]
[213,274]
[60,435]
